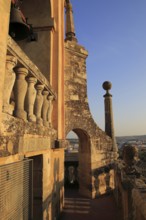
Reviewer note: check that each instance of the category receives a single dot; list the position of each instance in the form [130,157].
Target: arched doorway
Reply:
[79,166]
[71,162]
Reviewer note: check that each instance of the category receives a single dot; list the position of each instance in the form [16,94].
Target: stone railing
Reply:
[27,93]
[130,192]
[104,180]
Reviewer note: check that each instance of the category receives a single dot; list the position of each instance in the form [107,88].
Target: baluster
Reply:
[50,109]
[10,76]
[38,104]
[30,98]
[45,108]
[20,90]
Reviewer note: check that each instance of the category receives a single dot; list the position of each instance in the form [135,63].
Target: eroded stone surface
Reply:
[25,136]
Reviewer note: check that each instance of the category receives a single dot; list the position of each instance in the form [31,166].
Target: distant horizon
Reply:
[72,135]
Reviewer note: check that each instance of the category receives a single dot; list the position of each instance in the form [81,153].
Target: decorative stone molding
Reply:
[10,76]
[20,90]
[30,99]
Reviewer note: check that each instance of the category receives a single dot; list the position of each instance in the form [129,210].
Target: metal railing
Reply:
[16,191]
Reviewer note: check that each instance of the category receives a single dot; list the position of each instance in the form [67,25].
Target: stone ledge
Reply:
[29,143]
[22,136]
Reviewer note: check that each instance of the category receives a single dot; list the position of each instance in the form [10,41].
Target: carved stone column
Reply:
[30,98]
[70,28]
[20,90]
[45,108]
[10,76]
[109,122]
[50,109]
[38,104]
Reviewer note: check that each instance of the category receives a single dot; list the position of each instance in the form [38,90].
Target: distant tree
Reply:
[142,155]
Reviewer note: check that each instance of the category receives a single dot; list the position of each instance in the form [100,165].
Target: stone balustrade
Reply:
[27,93]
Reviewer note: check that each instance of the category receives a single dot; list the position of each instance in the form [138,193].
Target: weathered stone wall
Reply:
[95,145]
[129,193]
[77,110]
[23,137]
[57,181]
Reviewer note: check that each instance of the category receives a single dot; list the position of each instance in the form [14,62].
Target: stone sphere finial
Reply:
[107,85]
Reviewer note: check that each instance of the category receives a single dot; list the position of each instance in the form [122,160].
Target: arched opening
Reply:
[78,162]
[71,180]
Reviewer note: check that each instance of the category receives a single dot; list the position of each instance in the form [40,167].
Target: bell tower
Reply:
[94,144]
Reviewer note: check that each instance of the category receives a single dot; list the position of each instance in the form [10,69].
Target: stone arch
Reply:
[84,163]
[40,17]
[96,146]
[84,140]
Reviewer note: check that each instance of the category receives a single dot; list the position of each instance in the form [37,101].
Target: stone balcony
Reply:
[27,105]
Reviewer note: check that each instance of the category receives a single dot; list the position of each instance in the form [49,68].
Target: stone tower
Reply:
[96,147]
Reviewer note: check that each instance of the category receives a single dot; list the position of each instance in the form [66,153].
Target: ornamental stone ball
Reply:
[107,85]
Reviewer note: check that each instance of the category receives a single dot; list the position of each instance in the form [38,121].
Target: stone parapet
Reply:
[130,193]
[26,89]
[27,106]
[20,136]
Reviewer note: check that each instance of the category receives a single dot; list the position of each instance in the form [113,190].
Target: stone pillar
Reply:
[109,123]
[20,90]
[38,104]
[50,109]
[45,108]
[30,98]
[4,27]
[70,28]
[10,76]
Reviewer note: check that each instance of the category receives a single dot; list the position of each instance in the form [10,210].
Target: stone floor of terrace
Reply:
[80,208]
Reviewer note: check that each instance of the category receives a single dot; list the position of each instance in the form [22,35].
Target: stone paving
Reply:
[80,208]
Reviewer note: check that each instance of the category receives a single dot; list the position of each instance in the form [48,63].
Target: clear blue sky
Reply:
[114,33]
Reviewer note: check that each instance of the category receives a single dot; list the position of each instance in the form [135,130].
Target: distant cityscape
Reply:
[138,140]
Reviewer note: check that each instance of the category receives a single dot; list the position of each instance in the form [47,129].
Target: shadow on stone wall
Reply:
[104,182]
[53,204]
